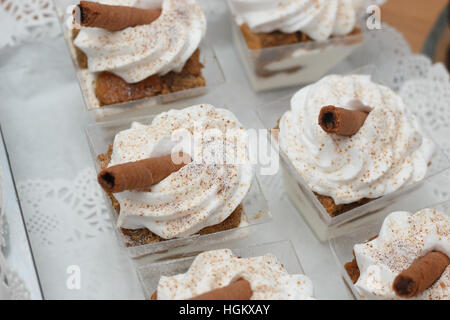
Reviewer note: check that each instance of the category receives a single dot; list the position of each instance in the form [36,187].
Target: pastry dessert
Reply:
[129,50]
[292,42]
[220,275]
[352,140]
[181,175]
[408,259]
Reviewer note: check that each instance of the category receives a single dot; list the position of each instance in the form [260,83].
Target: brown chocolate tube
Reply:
[341,121]
[114,18]
[140,174]
[238,290]
[421,275]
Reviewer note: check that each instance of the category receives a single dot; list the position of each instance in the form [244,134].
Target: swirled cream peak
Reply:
[389,151]
[403,238]
[215,269]
[319,19]
[139,52]
[202,193]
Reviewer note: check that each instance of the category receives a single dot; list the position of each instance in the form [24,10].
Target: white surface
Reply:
[43,116]
[18,277]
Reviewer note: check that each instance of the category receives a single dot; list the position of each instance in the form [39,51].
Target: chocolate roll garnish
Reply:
[140,174]
[113,18]
[340,121]
[238,290]
[421,275]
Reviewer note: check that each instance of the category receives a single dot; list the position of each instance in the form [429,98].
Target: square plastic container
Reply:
[325,226]
[212,73]
[342,247]
[150,274]
[294,64]
[101,135]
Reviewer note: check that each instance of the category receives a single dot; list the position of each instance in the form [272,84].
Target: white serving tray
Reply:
[17,251]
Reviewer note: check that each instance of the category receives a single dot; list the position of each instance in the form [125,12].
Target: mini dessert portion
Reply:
[220,275]
[133,49]
[186,173]
[408,259]
[352,140]
[267,24]
[270,30]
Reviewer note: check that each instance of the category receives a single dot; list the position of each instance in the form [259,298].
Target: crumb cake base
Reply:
[106,88]
[334,209]
[277,60]
[144,236]
[257,41]
[263,40]
[352,268]
[325,227]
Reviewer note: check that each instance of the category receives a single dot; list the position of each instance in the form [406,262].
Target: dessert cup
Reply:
[293,64]
[342,247]
[212,73]
[307,203]
[254,206]
[150,274]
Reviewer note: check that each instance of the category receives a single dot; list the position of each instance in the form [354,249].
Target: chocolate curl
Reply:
[341,121]
[113,18]
[140,174]
[421,275]
[238,290]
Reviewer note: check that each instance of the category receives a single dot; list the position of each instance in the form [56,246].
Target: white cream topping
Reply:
[215,269]
[403,238]
[388,152]
[319,19]
[139,52]
[202,193]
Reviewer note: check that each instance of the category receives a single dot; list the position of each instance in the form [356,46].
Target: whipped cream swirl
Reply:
[403,238]
[388,152]
[214,269]
[139,52]
[202,193]
[319,19]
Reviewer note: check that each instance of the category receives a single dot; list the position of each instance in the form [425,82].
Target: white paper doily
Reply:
[27,21]
[50,199]
[12,286]
[68,224]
